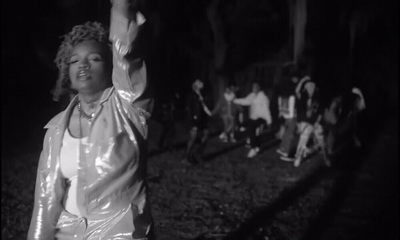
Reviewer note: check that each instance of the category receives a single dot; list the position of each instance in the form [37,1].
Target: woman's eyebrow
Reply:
[88,53]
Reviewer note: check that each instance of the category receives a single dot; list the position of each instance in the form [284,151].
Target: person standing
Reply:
[259,114]
[91,178]
[199,114]
[287,111]
[228,112]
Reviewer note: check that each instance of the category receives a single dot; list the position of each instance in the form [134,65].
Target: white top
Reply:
[69,157]
[287,107]
[259,106]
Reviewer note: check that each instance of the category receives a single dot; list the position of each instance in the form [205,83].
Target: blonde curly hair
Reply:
[85,32]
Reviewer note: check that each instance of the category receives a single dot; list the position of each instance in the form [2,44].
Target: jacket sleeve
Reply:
[129,70]
[42,225]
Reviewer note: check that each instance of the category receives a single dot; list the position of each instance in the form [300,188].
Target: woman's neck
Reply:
[90,102]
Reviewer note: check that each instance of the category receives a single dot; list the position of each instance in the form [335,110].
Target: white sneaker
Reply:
[287,159]
[297,162]
[222,136]
[279,151]
[253,152]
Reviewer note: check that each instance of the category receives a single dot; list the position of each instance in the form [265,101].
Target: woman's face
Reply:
[90,67]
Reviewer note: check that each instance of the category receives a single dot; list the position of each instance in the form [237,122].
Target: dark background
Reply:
[179,45]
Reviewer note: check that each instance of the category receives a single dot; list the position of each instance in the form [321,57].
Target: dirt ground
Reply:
[231,197]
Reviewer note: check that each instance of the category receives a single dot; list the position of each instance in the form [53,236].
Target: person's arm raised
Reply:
[129,72]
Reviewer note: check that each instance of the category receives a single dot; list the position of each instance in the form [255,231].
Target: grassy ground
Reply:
[228,196]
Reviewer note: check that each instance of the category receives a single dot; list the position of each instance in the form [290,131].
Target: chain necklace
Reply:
[85,115]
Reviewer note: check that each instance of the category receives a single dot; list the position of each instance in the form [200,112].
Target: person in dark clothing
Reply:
[332,122]
[341,120]
[309,118]
[199,114]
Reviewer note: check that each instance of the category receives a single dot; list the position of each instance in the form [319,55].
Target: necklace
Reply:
[85,115]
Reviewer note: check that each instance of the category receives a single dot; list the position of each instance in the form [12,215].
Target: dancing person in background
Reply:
[259,114]
[199,115]
[91,178]
[309,124]
[228,112]
[287,111]
[332,123]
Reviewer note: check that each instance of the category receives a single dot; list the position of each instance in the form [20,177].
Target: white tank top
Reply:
[69,157]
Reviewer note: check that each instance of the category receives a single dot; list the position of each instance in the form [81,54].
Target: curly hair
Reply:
[87,31]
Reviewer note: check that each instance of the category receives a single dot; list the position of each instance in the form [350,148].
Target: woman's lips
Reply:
[83,75]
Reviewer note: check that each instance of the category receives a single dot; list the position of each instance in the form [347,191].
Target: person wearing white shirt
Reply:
[286,105]
[259,113]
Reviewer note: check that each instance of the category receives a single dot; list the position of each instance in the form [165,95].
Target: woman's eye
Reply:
[96,59]
[73,61]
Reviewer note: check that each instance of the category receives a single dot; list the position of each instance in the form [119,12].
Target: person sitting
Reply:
[342,120]
[309,118]
[259,114]
[332,119]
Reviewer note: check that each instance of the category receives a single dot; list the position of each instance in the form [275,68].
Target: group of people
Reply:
[308,125]
[318,125]
[227,108]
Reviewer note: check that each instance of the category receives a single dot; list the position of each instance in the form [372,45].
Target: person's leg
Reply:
[251,132]
[224,134]
[230,127]
[254,138]
[191,143]
[319,136]
[306,130]
[205,133]
[290,127]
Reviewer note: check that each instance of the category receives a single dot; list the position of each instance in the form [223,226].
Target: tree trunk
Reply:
[220,47]
[300,21]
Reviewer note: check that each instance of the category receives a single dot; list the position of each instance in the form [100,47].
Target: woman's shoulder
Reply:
[54,121]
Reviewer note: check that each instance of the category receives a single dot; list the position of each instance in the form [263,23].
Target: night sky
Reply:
[178,46]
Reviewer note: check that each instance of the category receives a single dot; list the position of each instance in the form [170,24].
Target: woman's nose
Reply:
[84,64]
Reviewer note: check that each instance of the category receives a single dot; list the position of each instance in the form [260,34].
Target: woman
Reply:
[91,175]
[309,124]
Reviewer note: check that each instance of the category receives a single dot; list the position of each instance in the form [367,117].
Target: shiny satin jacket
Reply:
[112,190]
